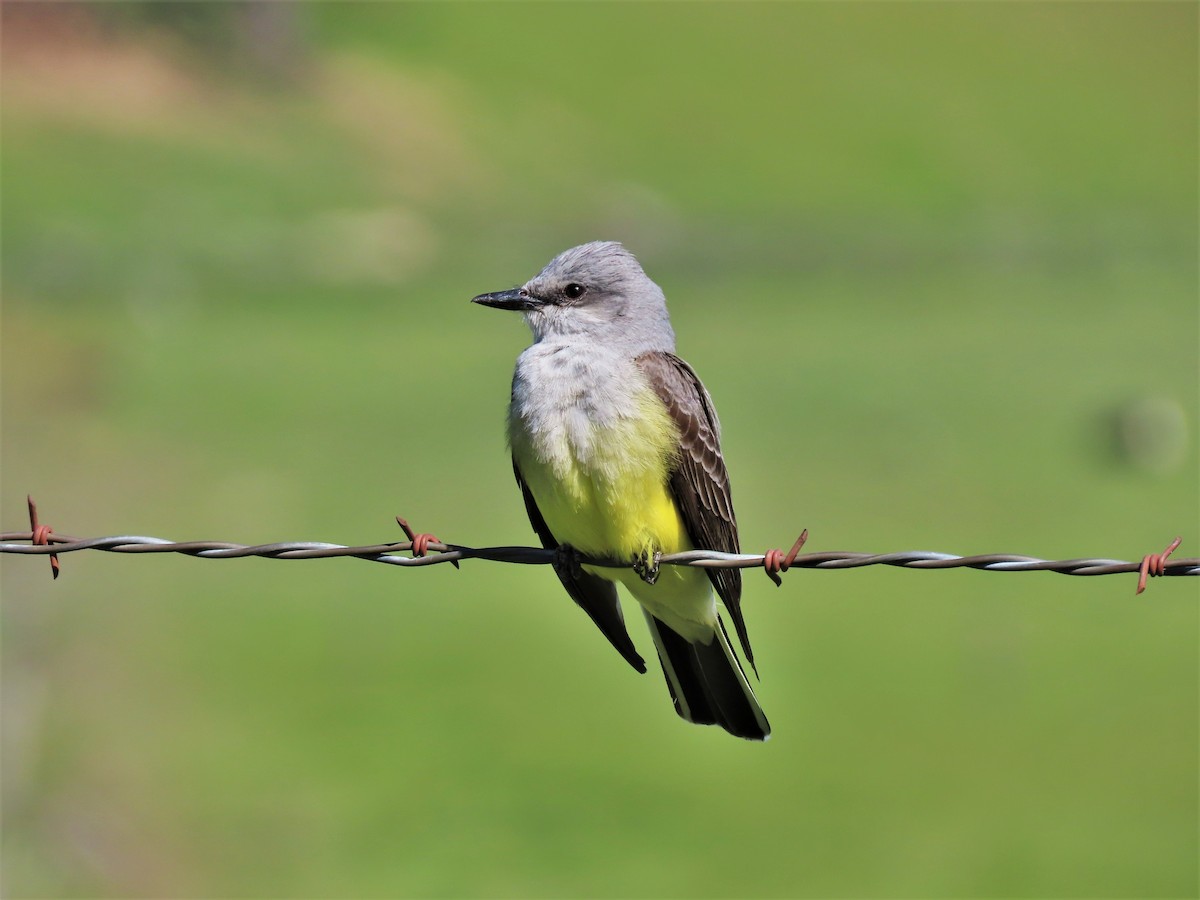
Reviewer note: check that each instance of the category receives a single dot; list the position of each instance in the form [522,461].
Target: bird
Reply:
[616,449]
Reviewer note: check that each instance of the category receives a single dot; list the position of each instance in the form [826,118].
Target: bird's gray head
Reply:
[597,292]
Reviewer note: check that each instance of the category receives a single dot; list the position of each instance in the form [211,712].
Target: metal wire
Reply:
[452,553]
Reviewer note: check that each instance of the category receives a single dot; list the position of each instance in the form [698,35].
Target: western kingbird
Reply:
[616,448]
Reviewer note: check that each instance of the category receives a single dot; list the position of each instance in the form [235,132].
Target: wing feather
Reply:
[699,479]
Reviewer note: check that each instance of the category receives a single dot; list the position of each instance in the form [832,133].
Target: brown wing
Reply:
[699,480]
[594,595]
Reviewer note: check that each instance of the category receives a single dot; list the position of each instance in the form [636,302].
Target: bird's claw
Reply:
[646,566]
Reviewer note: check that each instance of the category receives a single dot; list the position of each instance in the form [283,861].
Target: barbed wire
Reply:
[427,550]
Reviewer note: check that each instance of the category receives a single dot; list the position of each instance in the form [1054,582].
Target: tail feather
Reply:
[707,682]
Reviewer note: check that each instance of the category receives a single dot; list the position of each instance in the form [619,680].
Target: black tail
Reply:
[707,682]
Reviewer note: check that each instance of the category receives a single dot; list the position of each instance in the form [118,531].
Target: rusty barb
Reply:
[1155,564]
[39,535]
[426,550]
[420,542]
[775,562]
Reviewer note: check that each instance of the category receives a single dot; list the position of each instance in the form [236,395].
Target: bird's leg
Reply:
[646,566]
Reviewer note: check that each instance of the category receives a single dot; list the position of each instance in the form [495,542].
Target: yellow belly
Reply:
[604,490]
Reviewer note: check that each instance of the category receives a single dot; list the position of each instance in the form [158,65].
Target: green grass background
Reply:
[920,253]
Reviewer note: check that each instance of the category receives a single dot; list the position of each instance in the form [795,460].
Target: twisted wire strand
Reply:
[449,553]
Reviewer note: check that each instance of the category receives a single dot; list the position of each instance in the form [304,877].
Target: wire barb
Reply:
[1155,564]
[420,542]
[40,534]
[775,562]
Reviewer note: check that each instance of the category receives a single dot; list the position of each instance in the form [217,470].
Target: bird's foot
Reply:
[646,566]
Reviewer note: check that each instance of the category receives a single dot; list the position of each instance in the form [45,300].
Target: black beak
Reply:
[517,298]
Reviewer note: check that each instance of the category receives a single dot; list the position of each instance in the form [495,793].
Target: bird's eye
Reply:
[574,291]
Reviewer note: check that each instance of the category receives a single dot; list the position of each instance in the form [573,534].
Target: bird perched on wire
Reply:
[616,448]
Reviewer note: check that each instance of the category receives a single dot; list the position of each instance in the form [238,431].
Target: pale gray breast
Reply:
[565,396]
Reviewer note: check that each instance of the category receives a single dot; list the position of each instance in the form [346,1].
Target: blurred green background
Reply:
[937,264]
